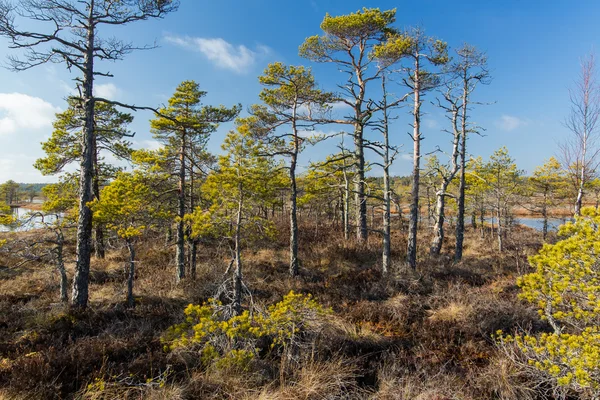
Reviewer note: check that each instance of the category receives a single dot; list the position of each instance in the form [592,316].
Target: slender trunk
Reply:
[460,217]
[193,246]
[429,210]
[438,229]
[84,221]
[99,229]
[293,268]
[180,251]
[482,221]
[359,186]
[386,251]
[500,227]
[361,200]
[60,266]
[131,274]
[579,201]
[346,204]
[545,227]
[294,264]
[237,284]
[411,254]
[386,255]
[438,239]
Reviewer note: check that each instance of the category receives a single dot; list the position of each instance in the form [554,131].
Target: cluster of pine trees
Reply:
[190,195]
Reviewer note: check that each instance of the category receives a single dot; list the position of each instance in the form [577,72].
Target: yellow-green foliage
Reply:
[125,205]
[5,214]
[565,287]
[566,283]
[233,342]
[572,359]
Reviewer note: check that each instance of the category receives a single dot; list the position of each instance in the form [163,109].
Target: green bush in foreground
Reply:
[234,342]
[566,289]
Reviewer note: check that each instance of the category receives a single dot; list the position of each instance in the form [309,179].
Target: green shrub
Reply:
[566,289]
[234,342]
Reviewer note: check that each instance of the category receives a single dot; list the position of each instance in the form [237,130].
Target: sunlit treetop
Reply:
[413,44]
[186,115]
[344,33]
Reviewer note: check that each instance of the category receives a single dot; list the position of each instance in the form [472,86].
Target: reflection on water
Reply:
[536,223]
[26,223]
[35,223]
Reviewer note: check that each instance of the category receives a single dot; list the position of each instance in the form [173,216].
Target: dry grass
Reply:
[421,334]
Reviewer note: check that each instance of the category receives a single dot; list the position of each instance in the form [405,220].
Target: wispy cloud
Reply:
[20,111]
[510,123]
[19,167]
[149,144]
[237,58]
[107,90]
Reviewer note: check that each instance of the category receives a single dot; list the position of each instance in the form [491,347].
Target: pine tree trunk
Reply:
[500,236]
[99,248]
[411,253]
[131,275]
[359,186]
[60,266]
[180,239]
[193,243]
[387,200]
[84,221]
[293,267]
[545,226]
[237,283]
[460,216]
[346,205]
[386,255]
[438,229]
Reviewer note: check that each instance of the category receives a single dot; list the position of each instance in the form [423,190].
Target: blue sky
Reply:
[534,48]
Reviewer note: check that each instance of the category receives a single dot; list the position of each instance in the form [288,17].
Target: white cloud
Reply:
[19,167]
[222,53]
[106,90]
[510,123]
[20,111]
[150,144]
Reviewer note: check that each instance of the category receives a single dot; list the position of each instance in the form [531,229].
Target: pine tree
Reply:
[243,180]
[184,127]
[63,149]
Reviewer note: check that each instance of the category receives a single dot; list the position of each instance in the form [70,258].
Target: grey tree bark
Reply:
[131,274]
[294,265]
[238,277]
[71,39]
[471,69]
[453,107]
[180,235]
[413,223]
[84,221]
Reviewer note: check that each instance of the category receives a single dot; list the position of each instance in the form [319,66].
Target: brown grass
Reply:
[421,334]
